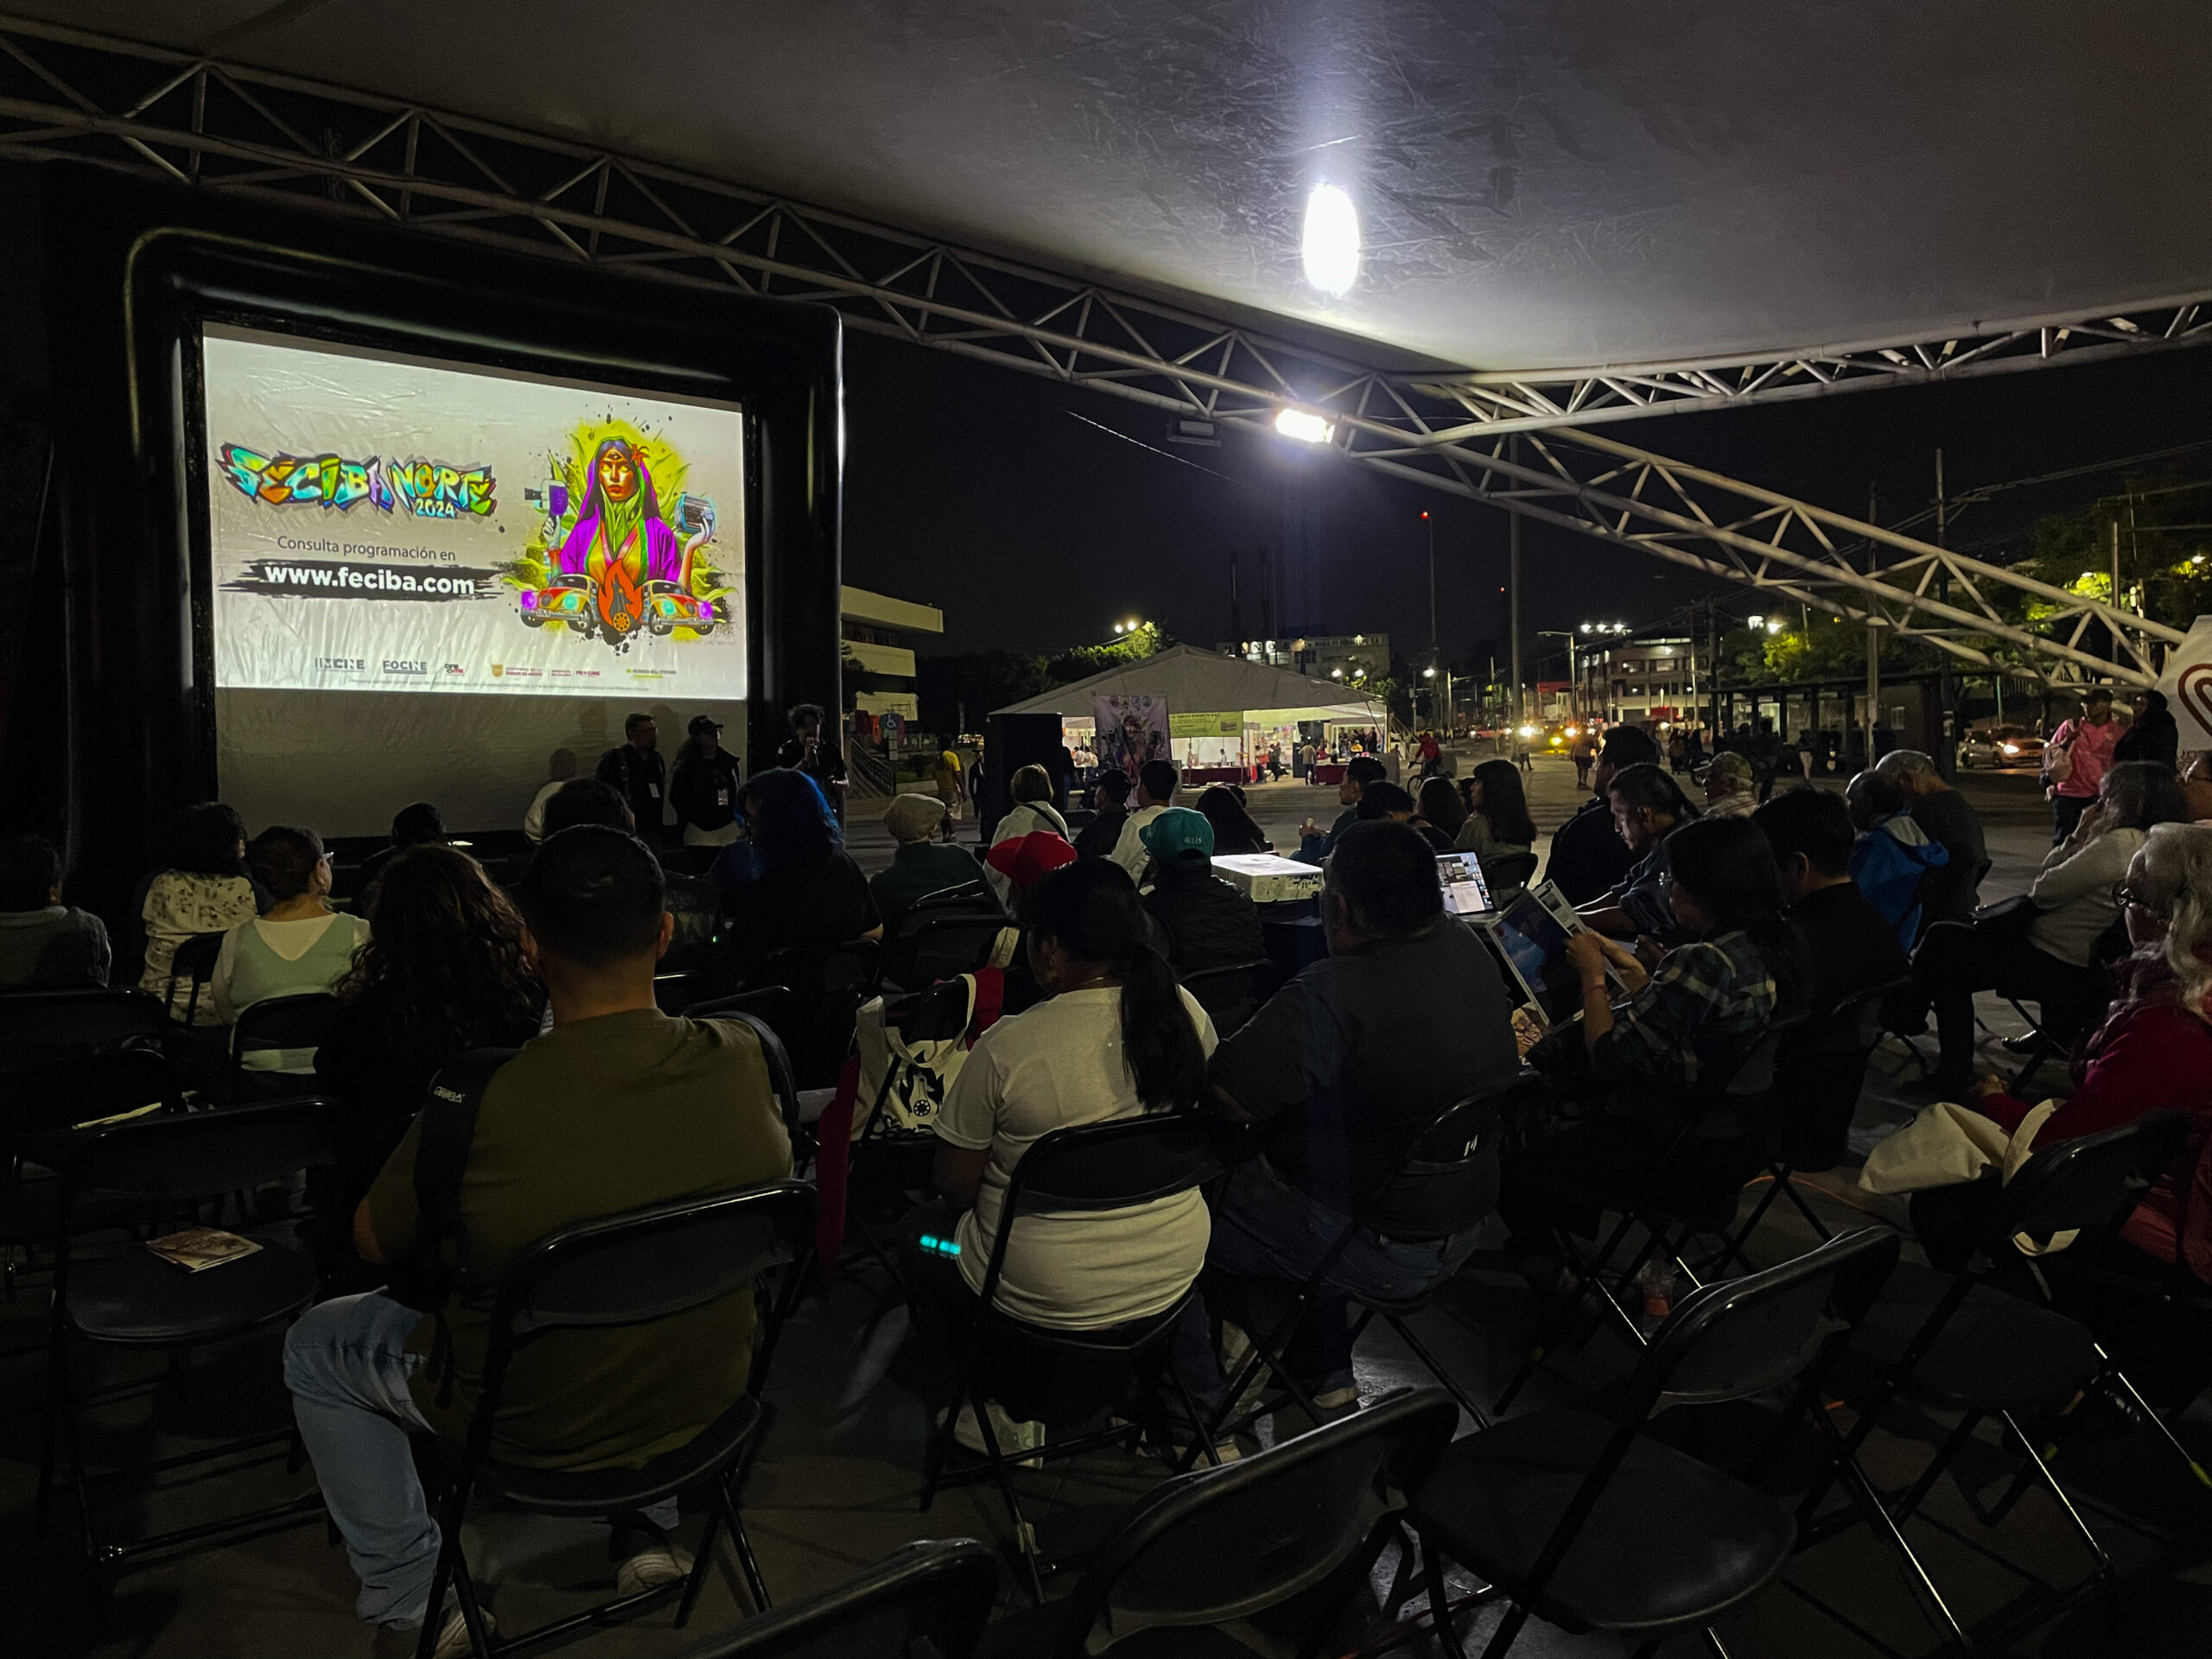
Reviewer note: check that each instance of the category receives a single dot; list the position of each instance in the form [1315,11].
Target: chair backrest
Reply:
[198,1155]
[1118,1165]
[301,1021]
[751,1008]
[38,1026]
[1231,995]
[2089,1184]
[84,1087]
[922,1601]
[975,895]
[1221,1544]
[195,958]
[947,945]
[1506,871]
[1822,1071]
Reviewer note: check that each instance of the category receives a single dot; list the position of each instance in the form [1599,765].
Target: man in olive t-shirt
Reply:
[1341,1071]
[616,1108]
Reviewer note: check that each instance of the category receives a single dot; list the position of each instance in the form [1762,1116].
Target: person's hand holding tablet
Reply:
[1591,954]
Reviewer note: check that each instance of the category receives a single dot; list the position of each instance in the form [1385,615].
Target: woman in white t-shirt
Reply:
[1118,1036]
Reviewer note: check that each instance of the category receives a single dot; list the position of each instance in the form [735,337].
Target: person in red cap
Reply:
[1022,861]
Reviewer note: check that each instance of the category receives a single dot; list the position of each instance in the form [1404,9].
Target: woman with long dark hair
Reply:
[1116,1037]
[1234,830]
[808,890]
[442,971]
[1498,821]
[1439,806]
[1689,1023]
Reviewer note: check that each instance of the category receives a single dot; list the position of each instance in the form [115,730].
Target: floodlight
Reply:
[1304,425]
[1329,249]
[1428,673]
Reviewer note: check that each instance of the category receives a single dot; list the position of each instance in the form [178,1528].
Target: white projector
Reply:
[1266,879]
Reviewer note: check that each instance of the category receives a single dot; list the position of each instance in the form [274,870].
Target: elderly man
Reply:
[921,865]
[1730,790]
[1947,818]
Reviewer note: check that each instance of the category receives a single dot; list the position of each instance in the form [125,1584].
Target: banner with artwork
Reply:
[387,523]
[1132,729]
[2188,685]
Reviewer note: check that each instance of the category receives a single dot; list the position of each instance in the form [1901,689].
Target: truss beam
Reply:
[226,127]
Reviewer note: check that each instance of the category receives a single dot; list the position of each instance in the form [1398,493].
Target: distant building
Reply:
[1643,680]
[1347,658]
[876,629]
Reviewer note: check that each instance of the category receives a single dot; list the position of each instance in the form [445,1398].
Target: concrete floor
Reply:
[836,1484]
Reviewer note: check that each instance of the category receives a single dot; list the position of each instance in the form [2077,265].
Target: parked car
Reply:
[2003,745]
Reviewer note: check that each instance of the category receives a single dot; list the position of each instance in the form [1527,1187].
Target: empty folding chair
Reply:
[631,1270]
[1233,995]
[1588,1523]
[1955,1342]
[922,1601]
[39,1027]
[1216,1547]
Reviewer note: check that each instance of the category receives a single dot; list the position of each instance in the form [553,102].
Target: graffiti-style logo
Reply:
[428,489]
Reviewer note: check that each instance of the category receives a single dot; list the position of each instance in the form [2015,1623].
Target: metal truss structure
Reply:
[242,131]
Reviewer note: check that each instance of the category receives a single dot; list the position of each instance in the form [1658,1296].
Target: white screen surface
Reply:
[388,524]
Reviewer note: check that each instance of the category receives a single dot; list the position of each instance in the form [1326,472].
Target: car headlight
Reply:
[2011,748]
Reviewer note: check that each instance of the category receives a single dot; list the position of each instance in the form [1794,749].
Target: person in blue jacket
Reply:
[1893,854]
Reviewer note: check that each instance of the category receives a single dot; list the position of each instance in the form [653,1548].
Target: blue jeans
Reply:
[1266,1228]
[2066,812]
[347,1365]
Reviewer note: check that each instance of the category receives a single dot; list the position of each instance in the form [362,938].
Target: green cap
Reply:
[1178,833]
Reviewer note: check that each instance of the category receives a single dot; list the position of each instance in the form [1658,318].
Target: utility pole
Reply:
[1873,639]
[1513,578]
[1235,610]
[1947,755]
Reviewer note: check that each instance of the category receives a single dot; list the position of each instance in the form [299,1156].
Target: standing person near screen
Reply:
[638,773]
[560,770]
[812,750]
[704,789]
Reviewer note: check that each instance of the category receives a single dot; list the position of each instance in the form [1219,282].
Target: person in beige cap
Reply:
[1728,787]
[922,865]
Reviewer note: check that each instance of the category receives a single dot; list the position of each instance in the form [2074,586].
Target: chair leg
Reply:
[450,1566]
[1844,1470]
[2157,1422]
[1806,1209]
[743,1544]
[2027,1448]
[1025,1536]
[1439,1598]
[700,1564]
[1903,1507]
[1436,1370]
[1508,1631]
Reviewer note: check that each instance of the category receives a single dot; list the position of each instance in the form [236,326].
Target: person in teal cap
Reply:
[1199,920]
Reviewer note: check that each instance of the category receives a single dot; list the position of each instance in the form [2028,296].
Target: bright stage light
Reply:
[1330,247]
[1304,425]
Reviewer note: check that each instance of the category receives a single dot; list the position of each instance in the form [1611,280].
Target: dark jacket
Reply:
[1202,920]
[1589,859]
[642,781]
[704,790]
[1097,838]
[2154,736]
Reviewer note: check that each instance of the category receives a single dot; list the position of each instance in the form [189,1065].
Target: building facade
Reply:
[879,631]
[1348,659]
[1645,680]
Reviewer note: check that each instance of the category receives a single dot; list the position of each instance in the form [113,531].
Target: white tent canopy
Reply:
[1193,681]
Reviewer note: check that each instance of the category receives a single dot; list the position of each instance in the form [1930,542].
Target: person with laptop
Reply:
[1648,806]
[1625,1083]
[1339,1071]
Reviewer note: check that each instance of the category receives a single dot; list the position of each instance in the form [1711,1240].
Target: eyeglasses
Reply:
[2127,898]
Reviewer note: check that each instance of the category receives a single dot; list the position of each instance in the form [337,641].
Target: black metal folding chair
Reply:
[944,944]
[922,1601]
[1092,1169]
[1508,873]
[1231,995]
[276,1025]
[194,962]
[828,983]
[627,1271]
[1956,1343]
[1591,1523]
[1441,1155]
[130,1297]
[1216,1547]
[40,1027]
[1807,1126]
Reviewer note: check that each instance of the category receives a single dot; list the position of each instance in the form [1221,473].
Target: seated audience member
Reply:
[1731,787]
[1200,920]
[617,1106]
[1498,821]
[1156,785]
[1688,1024]
[1313,845]
[419,825]
[1588,858]
[2073,905]
[45,945]
[1849,946]
[2153,734]
[299,945]
[1116,1038]
[586,800]
[442,971]
[1439,806]
[809,891]
[1893,855]
[2197,787]
[2151,1050]
[1234,831]
[1948,892]
[1339,1071]
[1111,796]
[1032,814]
[560,770]
[921,864]
[1648,807]
[204,890]
[1390,802]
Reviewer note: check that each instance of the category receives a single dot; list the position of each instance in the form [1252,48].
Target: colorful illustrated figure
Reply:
[621,540]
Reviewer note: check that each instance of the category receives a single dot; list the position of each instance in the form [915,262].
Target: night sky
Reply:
[977,489]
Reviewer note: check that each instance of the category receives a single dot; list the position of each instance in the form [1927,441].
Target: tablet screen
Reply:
[1465,892]
[1534,941]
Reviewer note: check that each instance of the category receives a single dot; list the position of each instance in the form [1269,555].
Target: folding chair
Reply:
[828,983]
[1507,872]
[1219,1547]
[1233,995]
[626,1271]
[194,961]
[39,1027]
[1964,1345]
[1091,1169]
[1591,1524]
[947,945]
[130,1297]
[1683,1194]
[1441,1154]
[274,1026]
[1808,1123]
[922,1601]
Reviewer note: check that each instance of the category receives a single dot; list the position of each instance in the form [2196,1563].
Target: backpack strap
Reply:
[448,1127]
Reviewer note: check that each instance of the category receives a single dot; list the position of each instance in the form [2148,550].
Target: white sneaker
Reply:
[1011,1435]
[452,1636]
[1344,1399]
[651,1567]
